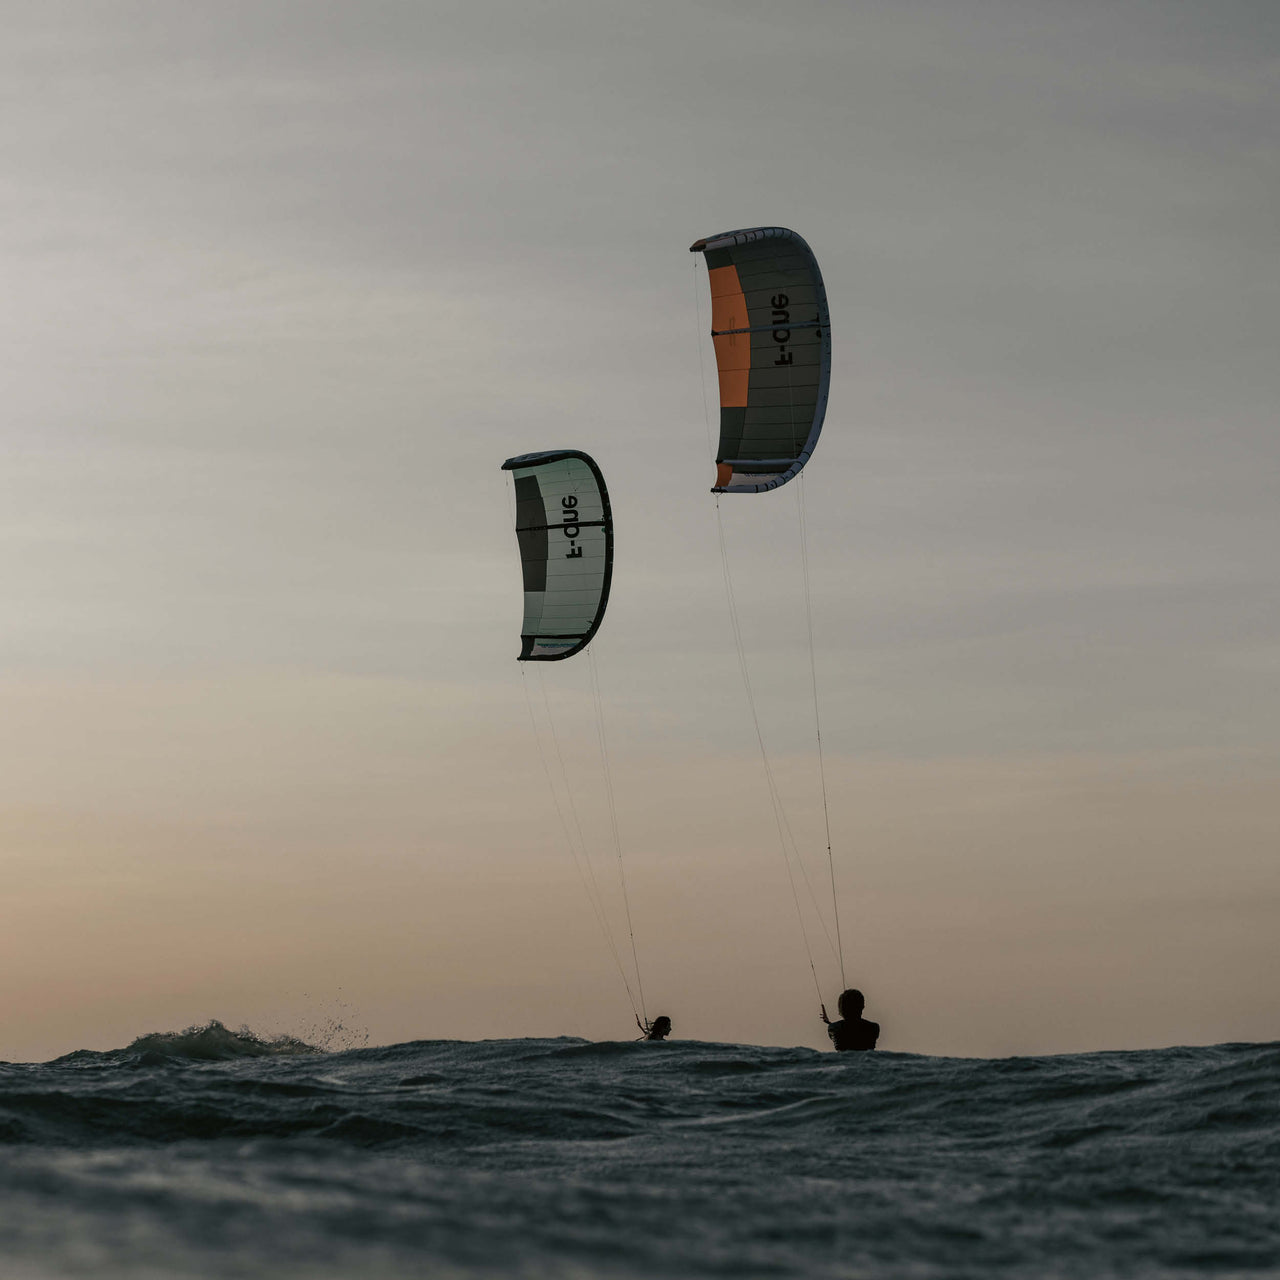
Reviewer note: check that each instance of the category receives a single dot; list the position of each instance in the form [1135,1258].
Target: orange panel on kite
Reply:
[733,350]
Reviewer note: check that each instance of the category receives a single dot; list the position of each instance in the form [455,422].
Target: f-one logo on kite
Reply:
[569,526]
[781,334]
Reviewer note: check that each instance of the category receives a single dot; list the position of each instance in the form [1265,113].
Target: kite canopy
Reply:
[770,325]
[565,530]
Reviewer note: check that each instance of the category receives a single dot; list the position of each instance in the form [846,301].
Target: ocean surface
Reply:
[207,1153]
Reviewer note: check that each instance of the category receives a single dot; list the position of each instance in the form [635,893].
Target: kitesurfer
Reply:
[658,1029]
[852,1031]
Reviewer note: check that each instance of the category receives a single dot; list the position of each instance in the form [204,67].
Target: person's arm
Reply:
[825,1019]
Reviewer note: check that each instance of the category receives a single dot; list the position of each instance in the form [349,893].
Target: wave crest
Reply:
[214,1042]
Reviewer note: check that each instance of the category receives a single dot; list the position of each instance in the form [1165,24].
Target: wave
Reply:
[208,1082]
[215,1043]
[684,1158]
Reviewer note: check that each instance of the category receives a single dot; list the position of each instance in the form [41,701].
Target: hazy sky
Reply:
[285,282]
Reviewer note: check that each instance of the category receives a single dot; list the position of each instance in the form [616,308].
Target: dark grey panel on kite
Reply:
[772,334]
[565,530]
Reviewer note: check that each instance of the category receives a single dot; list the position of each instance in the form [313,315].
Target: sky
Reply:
[286,282]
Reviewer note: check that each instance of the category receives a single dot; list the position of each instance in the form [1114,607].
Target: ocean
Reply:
[208,1153]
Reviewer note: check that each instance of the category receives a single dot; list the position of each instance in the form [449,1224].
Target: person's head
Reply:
[851,1004]
[661,1027]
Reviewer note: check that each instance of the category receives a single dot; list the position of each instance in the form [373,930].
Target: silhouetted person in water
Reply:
[853,1031]
[658,1029]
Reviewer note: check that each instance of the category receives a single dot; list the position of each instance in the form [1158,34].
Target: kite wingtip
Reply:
[698,246]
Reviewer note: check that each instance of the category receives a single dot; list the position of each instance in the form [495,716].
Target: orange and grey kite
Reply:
[772,336]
